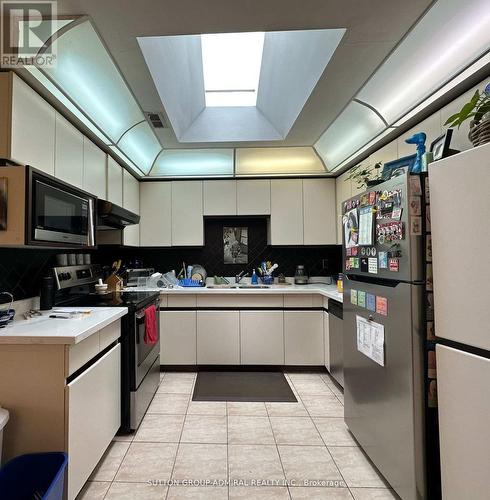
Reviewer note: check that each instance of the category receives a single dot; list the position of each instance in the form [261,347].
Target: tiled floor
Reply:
[266,451]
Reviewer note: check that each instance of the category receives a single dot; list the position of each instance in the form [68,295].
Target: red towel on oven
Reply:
[151,332]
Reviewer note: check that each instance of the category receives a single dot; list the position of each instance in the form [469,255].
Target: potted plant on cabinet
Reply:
[478,109]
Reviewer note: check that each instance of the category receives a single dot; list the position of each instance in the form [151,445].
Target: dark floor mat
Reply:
[242,386]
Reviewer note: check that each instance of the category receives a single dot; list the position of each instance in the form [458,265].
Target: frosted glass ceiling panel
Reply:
[449,37]
[55,92]
[87,74]
[277,161]
[231,66]
[119,154]
[194,163]
[141,146]
[353,128]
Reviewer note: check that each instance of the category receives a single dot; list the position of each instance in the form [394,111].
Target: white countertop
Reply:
[46,330]
[329,291]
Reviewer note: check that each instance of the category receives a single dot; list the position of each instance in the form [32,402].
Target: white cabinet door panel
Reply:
[94,416]
[286,223]
[68,161]
[114,181]
[178,337]
[464,414]
[156,214]
[187,213]
[219,197]
[33,128]
[261,337]
[94,169]
[218,337]
[319,212]
[303,338]
[253,197]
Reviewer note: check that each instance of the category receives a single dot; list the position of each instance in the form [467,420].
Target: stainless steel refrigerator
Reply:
[384,329]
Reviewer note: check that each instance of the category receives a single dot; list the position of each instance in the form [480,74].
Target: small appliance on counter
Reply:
[300,276]
[47,293]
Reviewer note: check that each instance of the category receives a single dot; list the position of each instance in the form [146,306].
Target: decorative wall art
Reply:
[235,245]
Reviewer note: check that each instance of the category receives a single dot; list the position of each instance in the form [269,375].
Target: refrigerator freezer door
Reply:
[384,404]
[373,259]
[464,414]
[459,189]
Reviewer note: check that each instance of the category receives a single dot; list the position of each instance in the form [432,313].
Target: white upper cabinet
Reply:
[94,169]
[28,133]
[286,223]
[319,212]
[156,214]
[253,197]
[114,181]
[131,201]
[187,213]
[220,197]
[68,161]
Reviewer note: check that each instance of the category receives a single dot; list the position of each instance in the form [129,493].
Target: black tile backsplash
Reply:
[211,255]
[21,269]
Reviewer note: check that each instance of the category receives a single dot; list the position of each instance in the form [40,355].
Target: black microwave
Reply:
[44,211]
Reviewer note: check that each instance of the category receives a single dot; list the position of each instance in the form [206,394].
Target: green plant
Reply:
[361,174]
[478,105]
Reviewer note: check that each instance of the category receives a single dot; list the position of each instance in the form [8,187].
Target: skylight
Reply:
[231,65]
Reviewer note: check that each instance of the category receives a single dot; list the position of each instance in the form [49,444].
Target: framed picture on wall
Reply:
[440,147]
[235,245]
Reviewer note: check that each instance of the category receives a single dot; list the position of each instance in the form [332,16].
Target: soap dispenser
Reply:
[254,280]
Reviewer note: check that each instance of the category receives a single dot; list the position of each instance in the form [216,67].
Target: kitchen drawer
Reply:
[239,300]
[163,300]
[81,353]
[181,301]
[109,334]
[302,300]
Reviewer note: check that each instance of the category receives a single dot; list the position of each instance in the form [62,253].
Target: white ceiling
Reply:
[373,30]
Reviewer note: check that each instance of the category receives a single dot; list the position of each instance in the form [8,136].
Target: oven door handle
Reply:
[140,315]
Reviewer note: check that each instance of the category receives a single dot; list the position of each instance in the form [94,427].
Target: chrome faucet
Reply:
[240,276]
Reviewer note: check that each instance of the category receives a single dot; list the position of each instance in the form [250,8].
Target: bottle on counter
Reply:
[254,280]
[340,283]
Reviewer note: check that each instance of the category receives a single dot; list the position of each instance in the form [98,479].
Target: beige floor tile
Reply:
[147,461]
[216,408]
[197,493]
[201,462]
[356,469]
[295,430]
[334,432]
[249,430]
[254,462]
[323,405]
[305,376]
[169,404]
[180,375]
[320,493]
[158,428]
[286,409]
[259,493]
[247,408]
[309,463]
[125,438]
[313,387]
[204,429]
[109,464]
[374,494]
[136,491]
[340,397]
[175,386]
[94,490]
[162,374]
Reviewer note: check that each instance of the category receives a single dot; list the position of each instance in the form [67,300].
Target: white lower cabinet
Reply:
[218,337]
[261,338]
[303,338]
[178,337]
[326,341]
[94,415]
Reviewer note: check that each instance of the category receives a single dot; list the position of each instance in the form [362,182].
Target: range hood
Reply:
[112,216]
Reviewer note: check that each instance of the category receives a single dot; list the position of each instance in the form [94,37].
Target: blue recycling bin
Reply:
[39,476]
